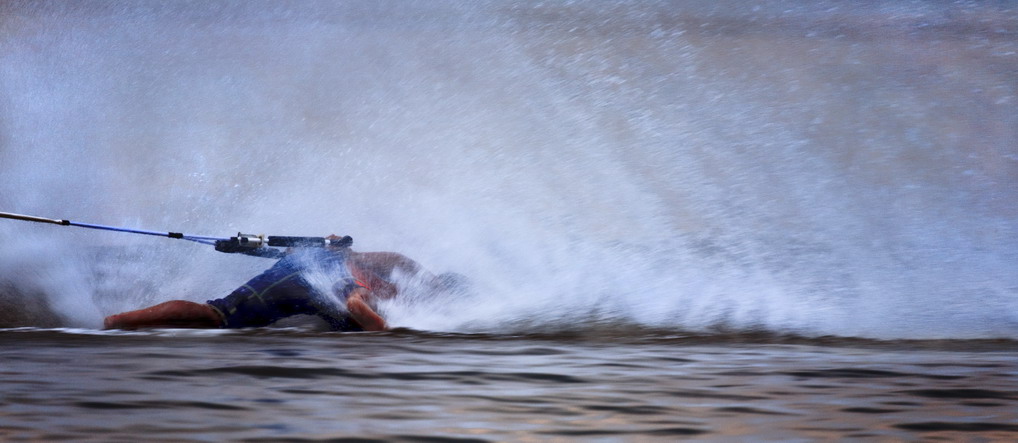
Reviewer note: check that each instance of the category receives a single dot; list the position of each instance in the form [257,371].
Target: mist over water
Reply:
[819,168]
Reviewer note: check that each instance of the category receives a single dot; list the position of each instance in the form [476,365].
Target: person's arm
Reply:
[357,311]
[362,312]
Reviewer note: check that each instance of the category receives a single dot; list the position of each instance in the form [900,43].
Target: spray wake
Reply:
[820,169]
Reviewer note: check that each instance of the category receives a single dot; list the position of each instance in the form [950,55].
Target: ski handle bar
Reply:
[247,241]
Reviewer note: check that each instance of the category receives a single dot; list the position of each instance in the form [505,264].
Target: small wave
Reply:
[939,426]
[615,336]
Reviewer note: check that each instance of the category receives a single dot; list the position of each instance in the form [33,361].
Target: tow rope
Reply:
[249,244]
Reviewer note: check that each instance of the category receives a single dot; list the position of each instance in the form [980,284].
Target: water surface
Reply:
[265,385]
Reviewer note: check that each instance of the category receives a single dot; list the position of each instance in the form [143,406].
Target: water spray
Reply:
[249,244]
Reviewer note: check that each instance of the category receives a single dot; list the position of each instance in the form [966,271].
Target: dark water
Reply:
[267,385]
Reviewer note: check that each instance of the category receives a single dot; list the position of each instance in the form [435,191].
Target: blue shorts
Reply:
[284,290]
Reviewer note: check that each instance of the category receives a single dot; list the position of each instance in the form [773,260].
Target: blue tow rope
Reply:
[195,238]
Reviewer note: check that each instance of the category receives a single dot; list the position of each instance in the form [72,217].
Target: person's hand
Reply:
[333,247]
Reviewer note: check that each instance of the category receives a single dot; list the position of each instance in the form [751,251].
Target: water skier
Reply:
[295,286]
